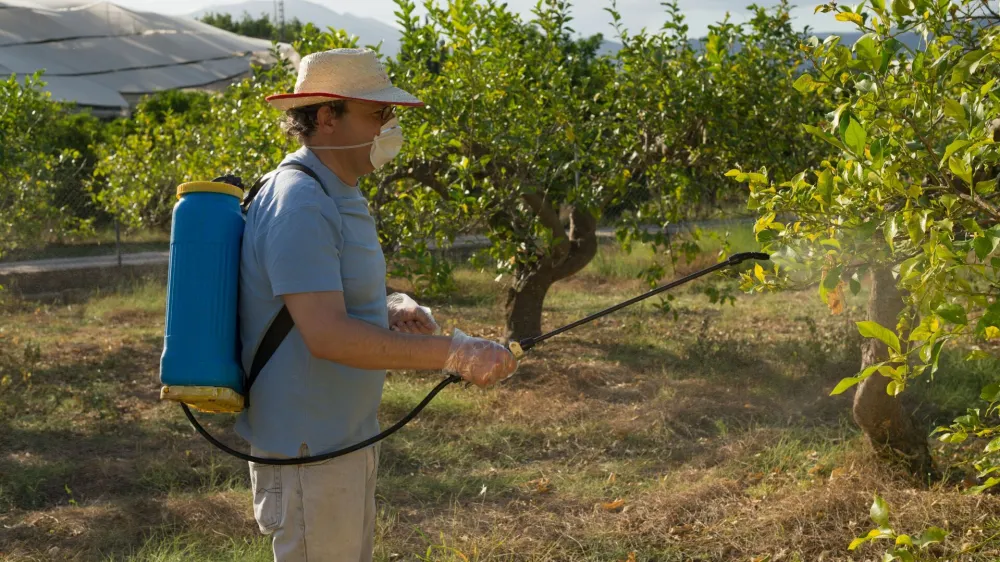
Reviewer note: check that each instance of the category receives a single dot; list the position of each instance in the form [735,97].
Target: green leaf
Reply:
[985,486]
[930,536]
[825,136]
[890,231]
[870,370]
[966,67]
[872,329]
[824,184]
[993,446]
[855,285]
[961,168]
[936,355]
[867,50]
[989,318]
[918,63]
[894,388]
[902,7]
[954,313]
[806,84]
[954,109]
[983,247]
[987,87]
[880,512]
[832,278]
[953,147]
[851,17]
[991,393]
[879,149]
[854,136]
[857,542]
[971,225]
[844,384]
[904,540]
[913,228]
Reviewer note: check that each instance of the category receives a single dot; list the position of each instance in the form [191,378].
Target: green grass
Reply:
[195,548]
[715,429]
[143,296]
[956,386]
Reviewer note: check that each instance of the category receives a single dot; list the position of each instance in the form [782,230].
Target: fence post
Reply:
[118,243]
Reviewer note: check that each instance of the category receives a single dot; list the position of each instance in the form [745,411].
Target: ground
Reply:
[709,436]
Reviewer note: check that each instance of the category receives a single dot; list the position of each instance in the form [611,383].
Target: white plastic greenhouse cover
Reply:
[107,57]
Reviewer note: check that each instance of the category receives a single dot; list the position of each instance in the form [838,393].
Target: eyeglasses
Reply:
[387,113]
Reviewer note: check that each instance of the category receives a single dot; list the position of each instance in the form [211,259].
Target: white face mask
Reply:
[385,147]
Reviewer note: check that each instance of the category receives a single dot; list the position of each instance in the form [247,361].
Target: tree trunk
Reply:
[524,302]
[527,295]
[887,425]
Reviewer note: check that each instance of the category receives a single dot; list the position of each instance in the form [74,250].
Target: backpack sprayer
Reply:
[200,365]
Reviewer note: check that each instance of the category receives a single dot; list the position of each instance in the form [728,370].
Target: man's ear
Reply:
[326,120]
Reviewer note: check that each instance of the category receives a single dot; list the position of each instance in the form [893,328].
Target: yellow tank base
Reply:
[211,399]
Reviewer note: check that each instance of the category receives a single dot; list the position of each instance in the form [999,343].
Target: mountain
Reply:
[910,39]
[368,31]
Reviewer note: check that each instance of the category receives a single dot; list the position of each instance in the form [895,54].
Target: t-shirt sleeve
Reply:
[301,252]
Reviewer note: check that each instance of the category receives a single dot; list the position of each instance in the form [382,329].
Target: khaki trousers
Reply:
[320,512]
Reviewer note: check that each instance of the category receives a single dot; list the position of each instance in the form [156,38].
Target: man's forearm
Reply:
[362,345]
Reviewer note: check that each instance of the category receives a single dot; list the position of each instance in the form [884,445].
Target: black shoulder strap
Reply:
[255,188]
[282,323]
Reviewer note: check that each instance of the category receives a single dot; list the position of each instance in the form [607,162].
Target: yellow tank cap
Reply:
[209,187]
[212,399]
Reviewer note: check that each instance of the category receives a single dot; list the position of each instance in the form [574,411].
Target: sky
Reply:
[589,15]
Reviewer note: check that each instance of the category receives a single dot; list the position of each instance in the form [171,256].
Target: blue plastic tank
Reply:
[200,362]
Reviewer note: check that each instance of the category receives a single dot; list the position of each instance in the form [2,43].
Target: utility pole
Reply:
[281,20]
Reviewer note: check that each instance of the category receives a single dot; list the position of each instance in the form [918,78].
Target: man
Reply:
[313,247]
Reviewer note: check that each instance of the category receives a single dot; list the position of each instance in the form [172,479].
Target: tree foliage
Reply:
[44,154]
[260,27]
[912,187]
[528,138]
[537,139]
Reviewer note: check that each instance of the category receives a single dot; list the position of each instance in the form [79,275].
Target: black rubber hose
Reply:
[325,456]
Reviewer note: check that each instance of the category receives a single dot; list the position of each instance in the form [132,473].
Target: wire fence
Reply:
[73,242]
[69,224]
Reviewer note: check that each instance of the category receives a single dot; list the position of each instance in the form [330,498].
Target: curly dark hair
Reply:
[300,123]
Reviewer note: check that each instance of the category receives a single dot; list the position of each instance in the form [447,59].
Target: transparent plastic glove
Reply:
[481,362]
[405,315]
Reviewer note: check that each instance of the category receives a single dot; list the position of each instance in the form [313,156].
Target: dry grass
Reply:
[713,432]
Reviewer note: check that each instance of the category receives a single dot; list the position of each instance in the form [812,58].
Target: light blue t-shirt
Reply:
[300,237]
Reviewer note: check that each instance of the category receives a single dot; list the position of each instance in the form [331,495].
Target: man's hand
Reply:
[406,316]
[481,362]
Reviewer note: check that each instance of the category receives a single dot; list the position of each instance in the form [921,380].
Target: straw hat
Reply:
[354,74]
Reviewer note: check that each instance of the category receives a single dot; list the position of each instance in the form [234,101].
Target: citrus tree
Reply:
[688,111]
[514,141]
[910,198]
[537,139]
[171,141]
[38,163]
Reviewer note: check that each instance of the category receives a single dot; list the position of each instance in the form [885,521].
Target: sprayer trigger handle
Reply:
[515,348]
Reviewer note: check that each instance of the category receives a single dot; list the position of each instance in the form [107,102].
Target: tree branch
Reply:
[550,218]
[972,196]
[582,243]
[422,172]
